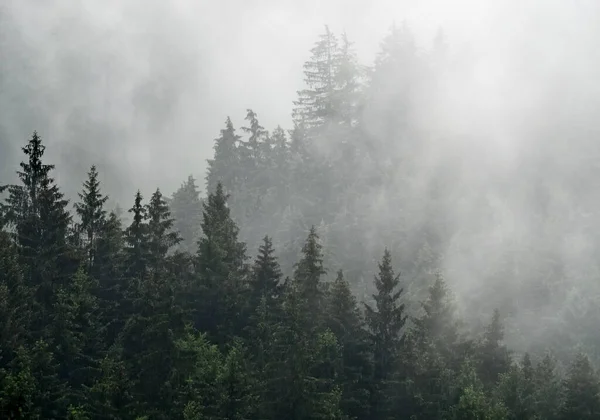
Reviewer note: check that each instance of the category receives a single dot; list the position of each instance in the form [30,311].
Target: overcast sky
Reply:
[167,73]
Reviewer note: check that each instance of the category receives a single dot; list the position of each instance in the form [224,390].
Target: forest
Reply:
[309,282]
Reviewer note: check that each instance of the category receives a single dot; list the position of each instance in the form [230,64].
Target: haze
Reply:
[141,88]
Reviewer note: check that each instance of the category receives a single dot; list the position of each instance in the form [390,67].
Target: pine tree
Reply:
[91,213]
[186,208]
[386,324]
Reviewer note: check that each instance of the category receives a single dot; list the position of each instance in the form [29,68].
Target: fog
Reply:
[141,88]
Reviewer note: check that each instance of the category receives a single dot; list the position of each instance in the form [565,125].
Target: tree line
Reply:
[168,315]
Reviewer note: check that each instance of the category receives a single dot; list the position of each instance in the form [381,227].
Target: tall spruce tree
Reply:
[186,208]
[136,240]
[494,358]
[224,167]
[582,391]
[308,275]
[91,213]
[386,327]
[345,320]
[38,212]
[221,270]
[161,236]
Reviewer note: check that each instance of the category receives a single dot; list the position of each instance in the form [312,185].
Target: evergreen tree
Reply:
[37,211]
[224,167]
[136,240]
[161,236]
[548,396]
[582,397]
[186,208]
[15,302]
[345,321]
[386,323]
[436,352]
[222,271]
[76,335]
[91,213]
[308,273]
[315,102]
[108,270]
[266,276]
[494,358]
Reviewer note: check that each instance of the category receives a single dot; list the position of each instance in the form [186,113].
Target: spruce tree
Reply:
[224,167]
[582,391]
[136,240]
[436,350]
[186,208]
[76,335]
[160,234]
[308,275]
[386,328]
[345,321]
[315,103]
[494,358]
[221,271]
[15,302]
[266,276]
[36,209]
[91,213]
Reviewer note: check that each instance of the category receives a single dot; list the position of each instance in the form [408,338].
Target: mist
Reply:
[141,89]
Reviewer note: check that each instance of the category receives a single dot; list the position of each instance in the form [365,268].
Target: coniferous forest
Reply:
[277,294]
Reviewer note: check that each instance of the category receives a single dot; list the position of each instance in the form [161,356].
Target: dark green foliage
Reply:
[493,355]
[221,271]
[136,234]
[161,236]
[582,397]
[224,167]
[345,321]
[265,276]
[186,208]
[91,213]
[102,322]
[308,275]
[386,323]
